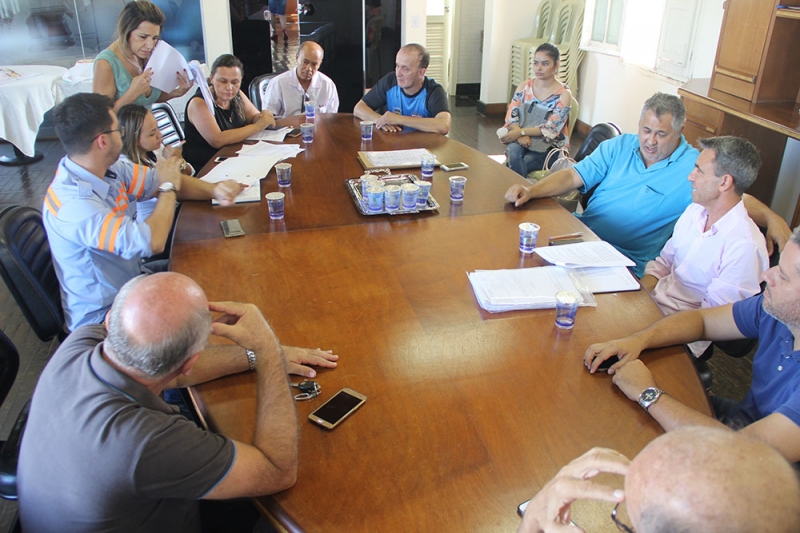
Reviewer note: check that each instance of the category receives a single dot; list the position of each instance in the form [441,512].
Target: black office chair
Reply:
[598,133]
[168,124]
[258,89]
[9,450]
[26,266]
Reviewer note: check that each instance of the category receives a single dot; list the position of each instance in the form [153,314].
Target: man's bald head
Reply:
[156,323]
[309,59]
[712,480]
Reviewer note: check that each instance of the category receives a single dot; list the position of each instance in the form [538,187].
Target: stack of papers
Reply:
[525,288]
[393,158]
[282,151]
[600,266]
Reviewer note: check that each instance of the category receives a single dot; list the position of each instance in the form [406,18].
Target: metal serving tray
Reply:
[354,186]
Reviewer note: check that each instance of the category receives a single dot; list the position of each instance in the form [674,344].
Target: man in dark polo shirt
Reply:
[103,452]
[409,98]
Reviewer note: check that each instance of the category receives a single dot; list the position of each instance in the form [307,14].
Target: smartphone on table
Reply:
[450,167]
[331,413]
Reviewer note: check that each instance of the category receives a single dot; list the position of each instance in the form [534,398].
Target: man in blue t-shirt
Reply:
[641,185]
[410,100]
[771,409]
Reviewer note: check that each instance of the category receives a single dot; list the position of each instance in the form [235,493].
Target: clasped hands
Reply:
[389,122]
[630,374]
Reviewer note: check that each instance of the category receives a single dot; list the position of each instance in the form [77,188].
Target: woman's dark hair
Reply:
[131,119]
[228,61]
[551,50]
[133,14]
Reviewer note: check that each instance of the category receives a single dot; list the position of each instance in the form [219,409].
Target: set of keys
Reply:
[308,390]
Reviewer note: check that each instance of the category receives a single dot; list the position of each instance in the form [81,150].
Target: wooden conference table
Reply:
[468,413]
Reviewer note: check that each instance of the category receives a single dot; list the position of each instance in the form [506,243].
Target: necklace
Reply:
[135,65]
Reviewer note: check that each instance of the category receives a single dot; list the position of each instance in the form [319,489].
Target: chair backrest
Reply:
[543,22]
[9,365]
[598,133]
[9,453]
[168,124]
[258,89]
[26,266]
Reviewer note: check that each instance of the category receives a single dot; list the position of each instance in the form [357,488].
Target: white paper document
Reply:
[584,254]
[525,288]
[607,279]
[166,62]
[270,135]
[281,151]
[251,194]
[396,158]
[197,75]
[246,170]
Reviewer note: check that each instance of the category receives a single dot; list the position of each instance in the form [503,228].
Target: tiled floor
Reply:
[26,185]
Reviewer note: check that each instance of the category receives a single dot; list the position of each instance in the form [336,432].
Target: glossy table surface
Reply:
[468,413]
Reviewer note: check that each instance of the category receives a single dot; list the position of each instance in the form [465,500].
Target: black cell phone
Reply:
[294,133]
[605,365]
[565,241]
[220,159]
[231,228]
[331,413]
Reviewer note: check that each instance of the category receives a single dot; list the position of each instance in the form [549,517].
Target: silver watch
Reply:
[167,186]
[649,396]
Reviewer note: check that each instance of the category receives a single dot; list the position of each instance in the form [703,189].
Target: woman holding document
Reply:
[235,118]
[119,69]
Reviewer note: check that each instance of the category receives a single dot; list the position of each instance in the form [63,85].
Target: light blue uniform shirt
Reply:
[95,240]
[635,208]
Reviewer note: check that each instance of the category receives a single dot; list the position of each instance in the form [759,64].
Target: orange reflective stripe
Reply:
[52,202]
[104,231]
[114,232]
[134,179]
[143,181]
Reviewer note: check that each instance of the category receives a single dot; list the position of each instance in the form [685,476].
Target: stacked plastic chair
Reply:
[564,21]
[521,49]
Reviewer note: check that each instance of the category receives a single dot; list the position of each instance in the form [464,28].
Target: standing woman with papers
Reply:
[234,119]
[119,69]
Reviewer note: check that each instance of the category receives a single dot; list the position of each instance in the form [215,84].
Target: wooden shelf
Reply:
[788,14]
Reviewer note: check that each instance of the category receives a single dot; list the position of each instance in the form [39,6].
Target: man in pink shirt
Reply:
[716,254]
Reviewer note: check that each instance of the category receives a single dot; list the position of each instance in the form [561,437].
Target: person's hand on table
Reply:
[227,191]
[549,510]
[264,120]
[627,349]
[298,358]
[633,378]
[518,194]
[389,122]
[141,84]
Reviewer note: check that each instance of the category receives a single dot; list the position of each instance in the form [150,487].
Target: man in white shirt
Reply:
[716,254]
[288,92]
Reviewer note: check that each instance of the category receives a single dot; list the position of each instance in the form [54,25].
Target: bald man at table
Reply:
[692,480]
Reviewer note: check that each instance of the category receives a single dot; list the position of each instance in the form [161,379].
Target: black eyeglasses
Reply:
[621,526]
[119,130]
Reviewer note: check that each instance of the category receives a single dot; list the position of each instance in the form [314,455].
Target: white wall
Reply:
[216,28]
[414,13]
[470,24]
[504,22]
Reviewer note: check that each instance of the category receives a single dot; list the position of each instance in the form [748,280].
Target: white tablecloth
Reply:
[23,103]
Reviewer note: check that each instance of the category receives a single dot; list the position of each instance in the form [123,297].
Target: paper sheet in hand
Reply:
[524,288]
[166,62]
[393,158]
[197,75]
[584,254]
[251,194]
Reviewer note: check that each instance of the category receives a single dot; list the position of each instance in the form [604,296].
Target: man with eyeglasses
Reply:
[90,208]
[695,479]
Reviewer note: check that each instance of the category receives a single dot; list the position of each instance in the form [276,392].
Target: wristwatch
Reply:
[649,396]
[167,186]
[521,132]
[251,359]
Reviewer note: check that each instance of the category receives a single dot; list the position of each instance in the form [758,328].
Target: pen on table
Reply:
[575,235]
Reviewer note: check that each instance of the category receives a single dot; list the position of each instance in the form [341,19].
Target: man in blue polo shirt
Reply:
[642,185]
[771,409]
[410,100]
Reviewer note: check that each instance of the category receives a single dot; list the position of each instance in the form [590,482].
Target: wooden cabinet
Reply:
[758,52]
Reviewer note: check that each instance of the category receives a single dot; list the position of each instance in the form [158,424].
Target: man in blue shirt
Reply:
[411,100]
[90,208]
[771,409]
[641,185]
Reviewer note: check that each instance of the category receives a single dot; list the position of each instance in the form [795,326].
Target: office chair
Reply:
[598,133]
[168,124]
[258,88]
[26,266]
[9,450]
